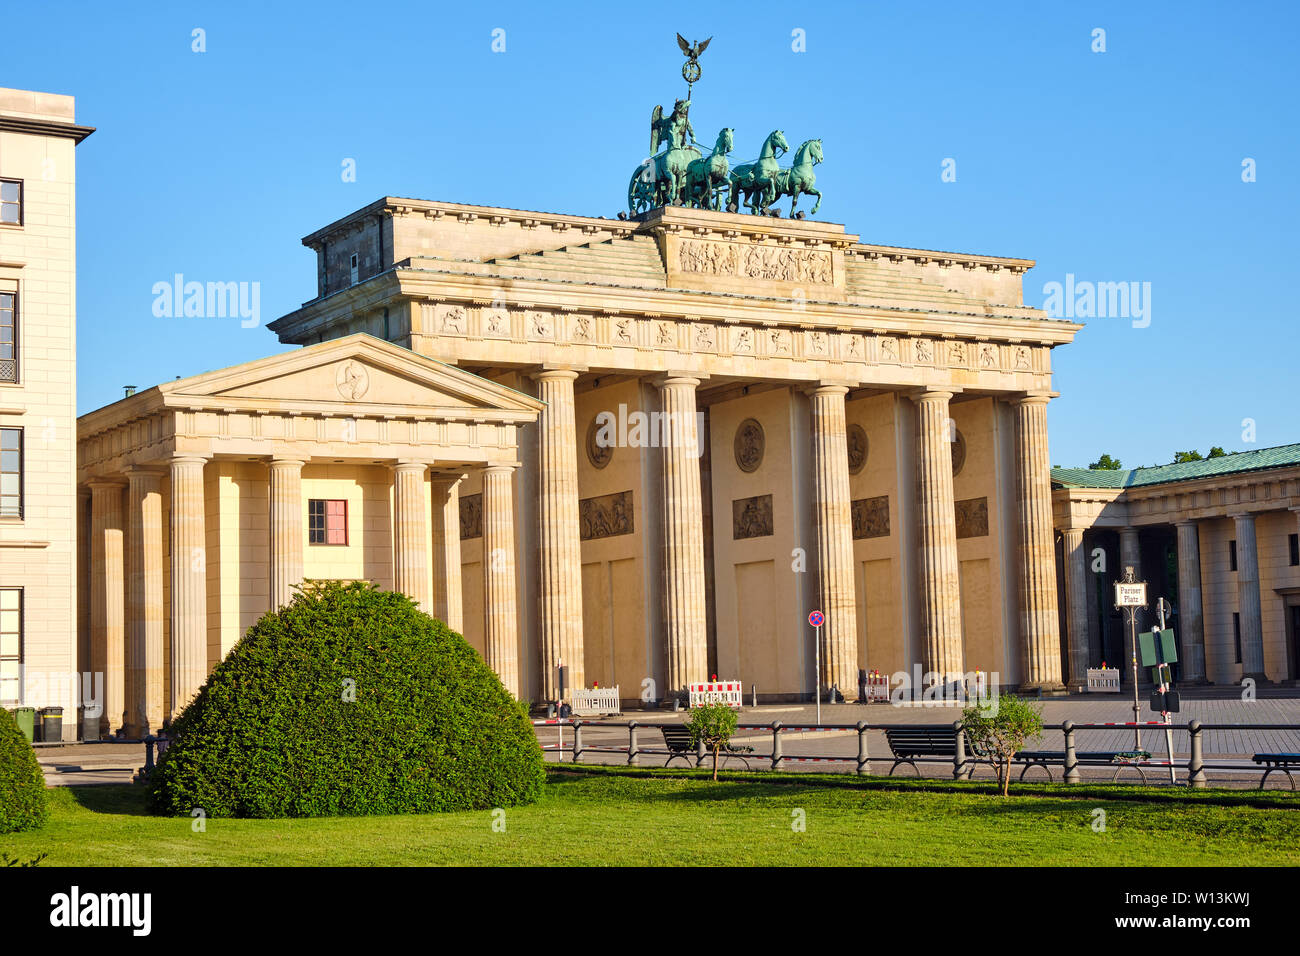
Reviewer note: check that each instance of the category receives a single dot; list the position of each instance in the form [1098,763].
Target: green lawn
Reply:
[602,816]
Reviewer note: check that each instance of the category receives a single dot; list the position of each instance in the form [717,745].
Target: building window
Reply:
[352,267]
[11,645]
[11,472]
[1236,635]
[11,202]
[1293,541]
[327,521]
[1232,555]
[8,337]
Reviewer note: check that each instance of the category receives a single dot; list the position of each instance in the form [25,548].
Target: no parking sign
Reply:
[816,618]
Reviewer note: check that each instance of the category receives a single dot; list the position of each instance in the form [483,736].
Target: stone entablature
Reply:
[1200,498]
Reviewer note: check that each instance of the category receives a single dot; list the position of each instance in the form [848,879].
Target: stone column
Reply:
[500,614]
[107,600]
[687,657]
[447,596]
[144,607]
[1191,619]
[559,550]
[1040,632]
[839,635]
[1248,606]
[411,533]
[286,529]
[940,589]
[1076,597]
[189,583]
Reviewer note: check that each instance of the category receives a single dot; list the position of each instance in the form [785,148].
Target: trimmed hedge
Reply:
[273,733]
[23,801]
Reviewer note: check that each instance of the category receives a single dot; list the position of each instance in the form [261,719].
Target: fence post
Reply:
[1071,759]
[864,763]
[1196,766]
[633,755]
[777,760]
[577,740]
[959,751]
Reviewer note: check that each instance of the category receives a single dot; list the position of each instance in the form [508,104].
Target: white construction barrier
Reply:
[594,701]
[716,692]
[1103,680]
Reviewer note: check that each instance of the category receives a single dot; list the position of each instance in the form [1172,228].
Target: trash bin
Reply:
[25,717]
[52,725]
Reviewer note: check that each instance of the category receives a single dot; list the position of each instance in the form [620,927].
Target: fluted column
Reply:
[1130,556]
[1248,606]
[839,635]
[1076,598]
[684,614]
[107,600]
[446,553]
[559,546]
[286,529]
[144,607]
[940,589]
[411,533]
[1191,619]
[500,614]
[1040,629]
[189,583]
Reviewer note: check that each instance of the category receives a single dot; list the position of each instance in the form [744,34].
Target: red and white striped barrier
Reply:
[716,692]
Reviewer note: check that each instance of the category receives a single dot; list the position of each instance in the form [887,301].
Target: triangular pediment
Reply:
[359,374]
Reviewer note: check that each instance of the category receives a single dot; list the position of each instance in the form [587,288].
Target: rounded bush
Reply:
[23,801]
[349,701]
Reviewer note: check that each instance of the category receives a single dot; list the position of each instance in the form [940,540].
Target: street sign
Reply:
[816,618]
[1158,647]
[1130,595]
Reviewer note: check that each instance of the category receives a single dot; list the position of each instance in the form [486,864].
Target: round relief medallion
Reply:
[749,445]
[958,451]
[599,449]
[352,380]
[857,440]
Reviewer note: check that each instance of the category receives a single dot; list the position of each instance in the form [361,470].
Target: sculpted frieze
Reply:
[707,257]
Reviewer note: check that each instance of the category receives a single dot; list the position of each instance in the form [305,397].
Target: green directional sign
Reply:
[1157,647]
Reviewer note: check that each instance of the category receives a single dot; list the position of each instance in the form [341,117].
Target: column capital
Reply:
[499,469]
[1031,397]
[181,457]
[105,481]
[929,394]
[1187,522]
[409,465]
[1241,515]
[136,474]
[1076,532]
[557,371]
[667,378]
[286,460]
[828,387]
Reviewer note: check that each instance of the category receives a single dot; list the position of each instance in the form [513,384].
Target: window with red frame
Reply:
[327,521]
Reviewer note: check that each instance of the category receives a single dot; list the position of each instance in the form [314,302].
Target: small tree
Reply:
[1181,457]
[1000,728]
[712,724]
[1106,463]
[1216,451]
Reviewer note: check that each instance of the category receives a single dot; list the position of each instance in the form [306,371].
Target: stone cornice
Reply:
[41,127]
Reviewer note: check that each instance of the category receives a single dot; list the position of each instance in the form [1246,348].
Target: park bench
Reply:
[678,741]
[1283,762]
[1122,758]
[909,743]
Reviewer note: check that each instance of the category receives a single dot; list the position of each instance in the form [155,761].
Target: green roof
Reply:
[1279,457]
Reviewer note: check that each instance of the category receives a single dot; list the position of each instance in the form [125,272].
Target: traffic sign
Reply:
[816,618]
[1131,594]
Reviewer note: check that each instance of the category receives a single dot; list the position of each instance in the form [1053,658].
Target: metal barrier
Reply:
[962,764]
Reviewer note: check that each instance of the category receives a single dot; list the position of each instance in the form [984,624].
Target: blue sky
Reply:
[1117,166]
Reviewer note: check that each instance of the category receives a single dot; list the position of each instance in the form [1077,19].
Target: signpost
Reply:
[1160,652]
[1131,597]
[817,619]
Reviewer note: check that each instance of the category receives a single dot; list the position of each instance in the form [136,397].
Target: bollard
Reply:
[777,761]
[1196,766]
[148,752]
[1071,759]
[753,695]
[864,763]
[577,741]
[633,756]
[959,752]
